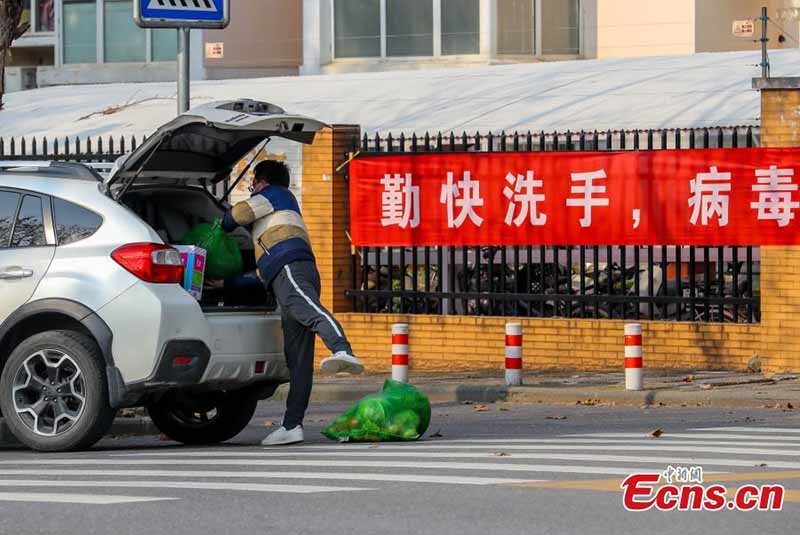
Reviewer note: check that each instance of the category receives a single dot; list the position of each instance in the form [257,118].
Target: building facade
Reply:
[96,41]
[324,36]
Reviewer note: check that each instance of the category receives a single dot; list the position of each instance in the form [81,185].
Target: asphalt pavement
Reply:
[483,468]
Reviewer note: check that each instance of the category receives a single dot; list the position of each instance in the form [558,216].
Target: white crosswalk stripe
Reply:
[758,430]
[718,436]
[194,485]
[330,468]
[91,499]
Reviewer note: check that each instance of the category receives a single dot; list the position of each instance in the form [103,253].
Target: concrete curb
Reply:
[454,392]
[614,394]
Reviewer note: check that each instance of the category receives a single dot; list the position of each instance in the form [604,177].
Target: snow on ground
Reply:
[670,91]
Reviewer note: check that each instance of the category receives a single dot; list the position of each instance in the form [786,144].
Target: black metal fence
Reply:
[76,149]
[675,283]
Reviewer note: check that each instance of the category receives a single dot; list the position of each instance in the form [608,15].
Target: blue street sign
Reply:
[211,14]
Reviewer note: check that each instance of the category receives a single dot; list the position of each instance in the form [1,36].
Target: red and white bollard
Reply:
[633,356]
[513,354]
[400,352]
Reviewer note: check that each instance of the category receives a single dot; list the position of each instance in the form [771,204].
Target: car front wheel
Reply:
[53,392]
[203,419]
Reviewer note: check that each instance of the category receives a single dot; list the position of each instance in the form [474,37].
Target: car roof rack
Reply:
[54,169]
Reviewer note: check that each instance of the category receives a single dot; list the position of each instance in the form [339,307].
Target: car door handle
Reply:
[16,273]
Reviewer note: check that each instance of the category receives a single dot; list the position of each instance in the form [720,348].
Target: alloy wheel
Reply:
[49,392]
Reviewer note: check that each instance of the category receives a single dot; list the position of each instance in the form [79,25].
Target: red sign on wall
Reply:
[681,197]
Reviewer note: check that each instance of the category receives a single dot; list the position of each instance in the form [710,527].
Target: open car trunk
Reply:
[165,179]
[172,212]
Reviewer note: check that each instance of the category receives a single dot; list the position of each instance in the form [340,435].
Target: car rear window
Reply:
[29,228]
[73,222]
[8,209]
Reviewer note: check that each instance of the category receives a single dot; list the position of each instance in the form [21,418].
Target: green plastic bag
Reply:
[399,412]
[223,257]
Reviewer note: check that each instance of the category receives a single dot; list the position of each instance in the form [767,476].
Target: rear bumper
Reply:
[182,363]
[244,369]
[190,364]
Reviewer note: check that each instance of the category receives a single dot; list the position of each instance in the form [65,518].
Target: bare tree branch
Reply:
[11,28]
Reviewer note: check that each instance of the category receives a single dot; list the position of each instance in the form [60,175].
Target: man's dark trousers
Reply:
[297,288]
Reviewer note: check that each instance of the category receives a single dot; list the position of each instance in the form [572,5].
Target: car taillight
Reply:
[151,262]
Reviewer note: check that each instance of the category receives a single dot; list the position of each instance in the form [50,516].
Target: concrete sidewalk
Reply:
[662,389]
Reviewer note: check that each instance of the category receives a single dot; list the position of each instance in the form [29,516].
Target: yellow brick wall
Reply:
[326,211]
[441,343]
[780,266]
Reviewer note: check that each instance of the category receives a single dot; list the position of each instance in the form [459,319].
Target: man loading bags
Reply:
[286,263]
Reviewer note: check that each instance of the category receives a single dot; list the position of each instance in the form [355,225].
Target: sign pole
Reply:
[183,69]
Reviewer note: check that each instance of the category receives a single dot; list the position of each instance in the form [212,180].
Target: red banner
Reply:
[670,197]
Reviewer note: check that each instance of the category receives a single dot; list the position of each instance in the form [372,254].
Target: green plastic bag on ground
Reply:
[223,257]
[398,412]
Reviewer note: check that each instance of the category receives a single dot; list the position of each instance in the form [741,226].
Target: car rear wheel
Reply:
[53,392]
[206,419]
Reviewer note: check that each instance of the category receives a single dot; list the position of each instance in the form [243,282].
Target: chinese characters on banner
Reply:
[685,197]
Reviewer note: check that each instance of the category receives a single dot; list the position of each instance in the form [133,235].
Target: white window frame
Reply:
[100,37]
[437,37]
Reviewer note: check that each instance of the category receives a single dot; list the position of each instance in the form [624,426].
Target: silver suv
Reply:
[93,317]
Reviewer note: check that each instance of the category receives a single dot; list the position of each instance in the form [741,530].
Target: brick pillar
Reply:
[780,275]
[326,211]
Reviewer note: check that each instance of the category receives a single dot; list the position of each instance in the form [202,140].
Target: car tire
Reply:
[54,394]
[191,422]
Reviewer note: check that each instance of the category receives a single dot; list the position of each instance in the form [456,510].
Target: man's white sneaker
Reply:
[282,437]
[341,362]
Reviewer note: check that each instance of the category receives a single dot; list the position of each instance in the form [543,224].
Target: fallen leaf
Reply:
[761,465]
[269,423]
[688,379]
[588,402]
[555,417]
[467,402]
[502,454]
[657,433]
[789,406]
[754,364]
[503,409]
[437,434]
[480,408]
